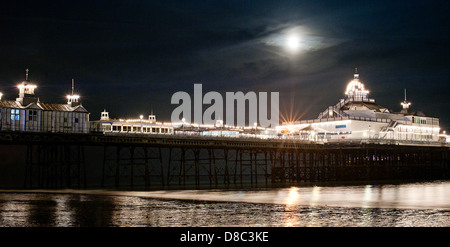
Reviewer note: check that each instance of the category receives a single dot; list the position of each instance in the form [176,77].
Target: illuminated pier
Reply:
[354,140]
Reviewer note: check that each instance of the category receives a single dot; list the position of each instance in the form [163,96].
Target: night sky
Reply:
[129,57]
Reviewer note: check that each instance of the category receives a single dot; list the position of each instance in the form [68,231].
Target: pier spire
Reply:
[356,75]
[72,99]
[405,104]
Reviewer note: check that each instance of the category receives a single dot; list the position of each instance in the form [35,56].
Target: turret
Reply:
[152,118]
[73,99]
[26,92]
[104,116]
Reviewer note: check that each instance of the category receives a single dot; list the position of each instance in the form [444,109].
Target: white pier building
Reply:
[28,113]
[358,117]
[130,126]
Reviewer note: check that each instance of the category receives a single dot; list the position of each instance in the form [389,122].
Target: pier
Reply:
[354,140]
[58,160]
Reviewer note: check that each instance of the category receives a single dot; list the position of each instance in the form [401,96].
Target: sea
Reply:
[399,204]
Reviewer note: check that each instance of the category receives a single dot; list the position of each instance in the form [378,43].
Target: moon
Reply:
[293,43]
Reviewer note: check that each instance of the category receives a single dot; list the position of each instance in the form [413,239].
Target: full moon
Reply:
[293,43]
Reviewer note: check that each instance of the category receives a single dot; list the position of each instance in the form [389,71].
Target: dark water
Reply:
[403,205]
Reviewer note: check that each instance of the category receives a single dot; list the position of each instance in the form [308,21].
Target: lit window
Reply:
[15,114]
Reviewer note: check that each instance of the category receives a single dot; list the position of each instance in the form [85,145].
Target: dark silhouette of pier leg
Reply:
[54,166]
[135,164]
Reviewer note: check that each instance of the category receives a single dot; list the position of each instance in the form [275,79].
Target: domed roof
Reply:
[355,88]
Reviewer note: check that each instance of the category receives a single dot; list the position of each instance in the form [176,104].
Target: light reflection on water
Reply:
[415,204]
